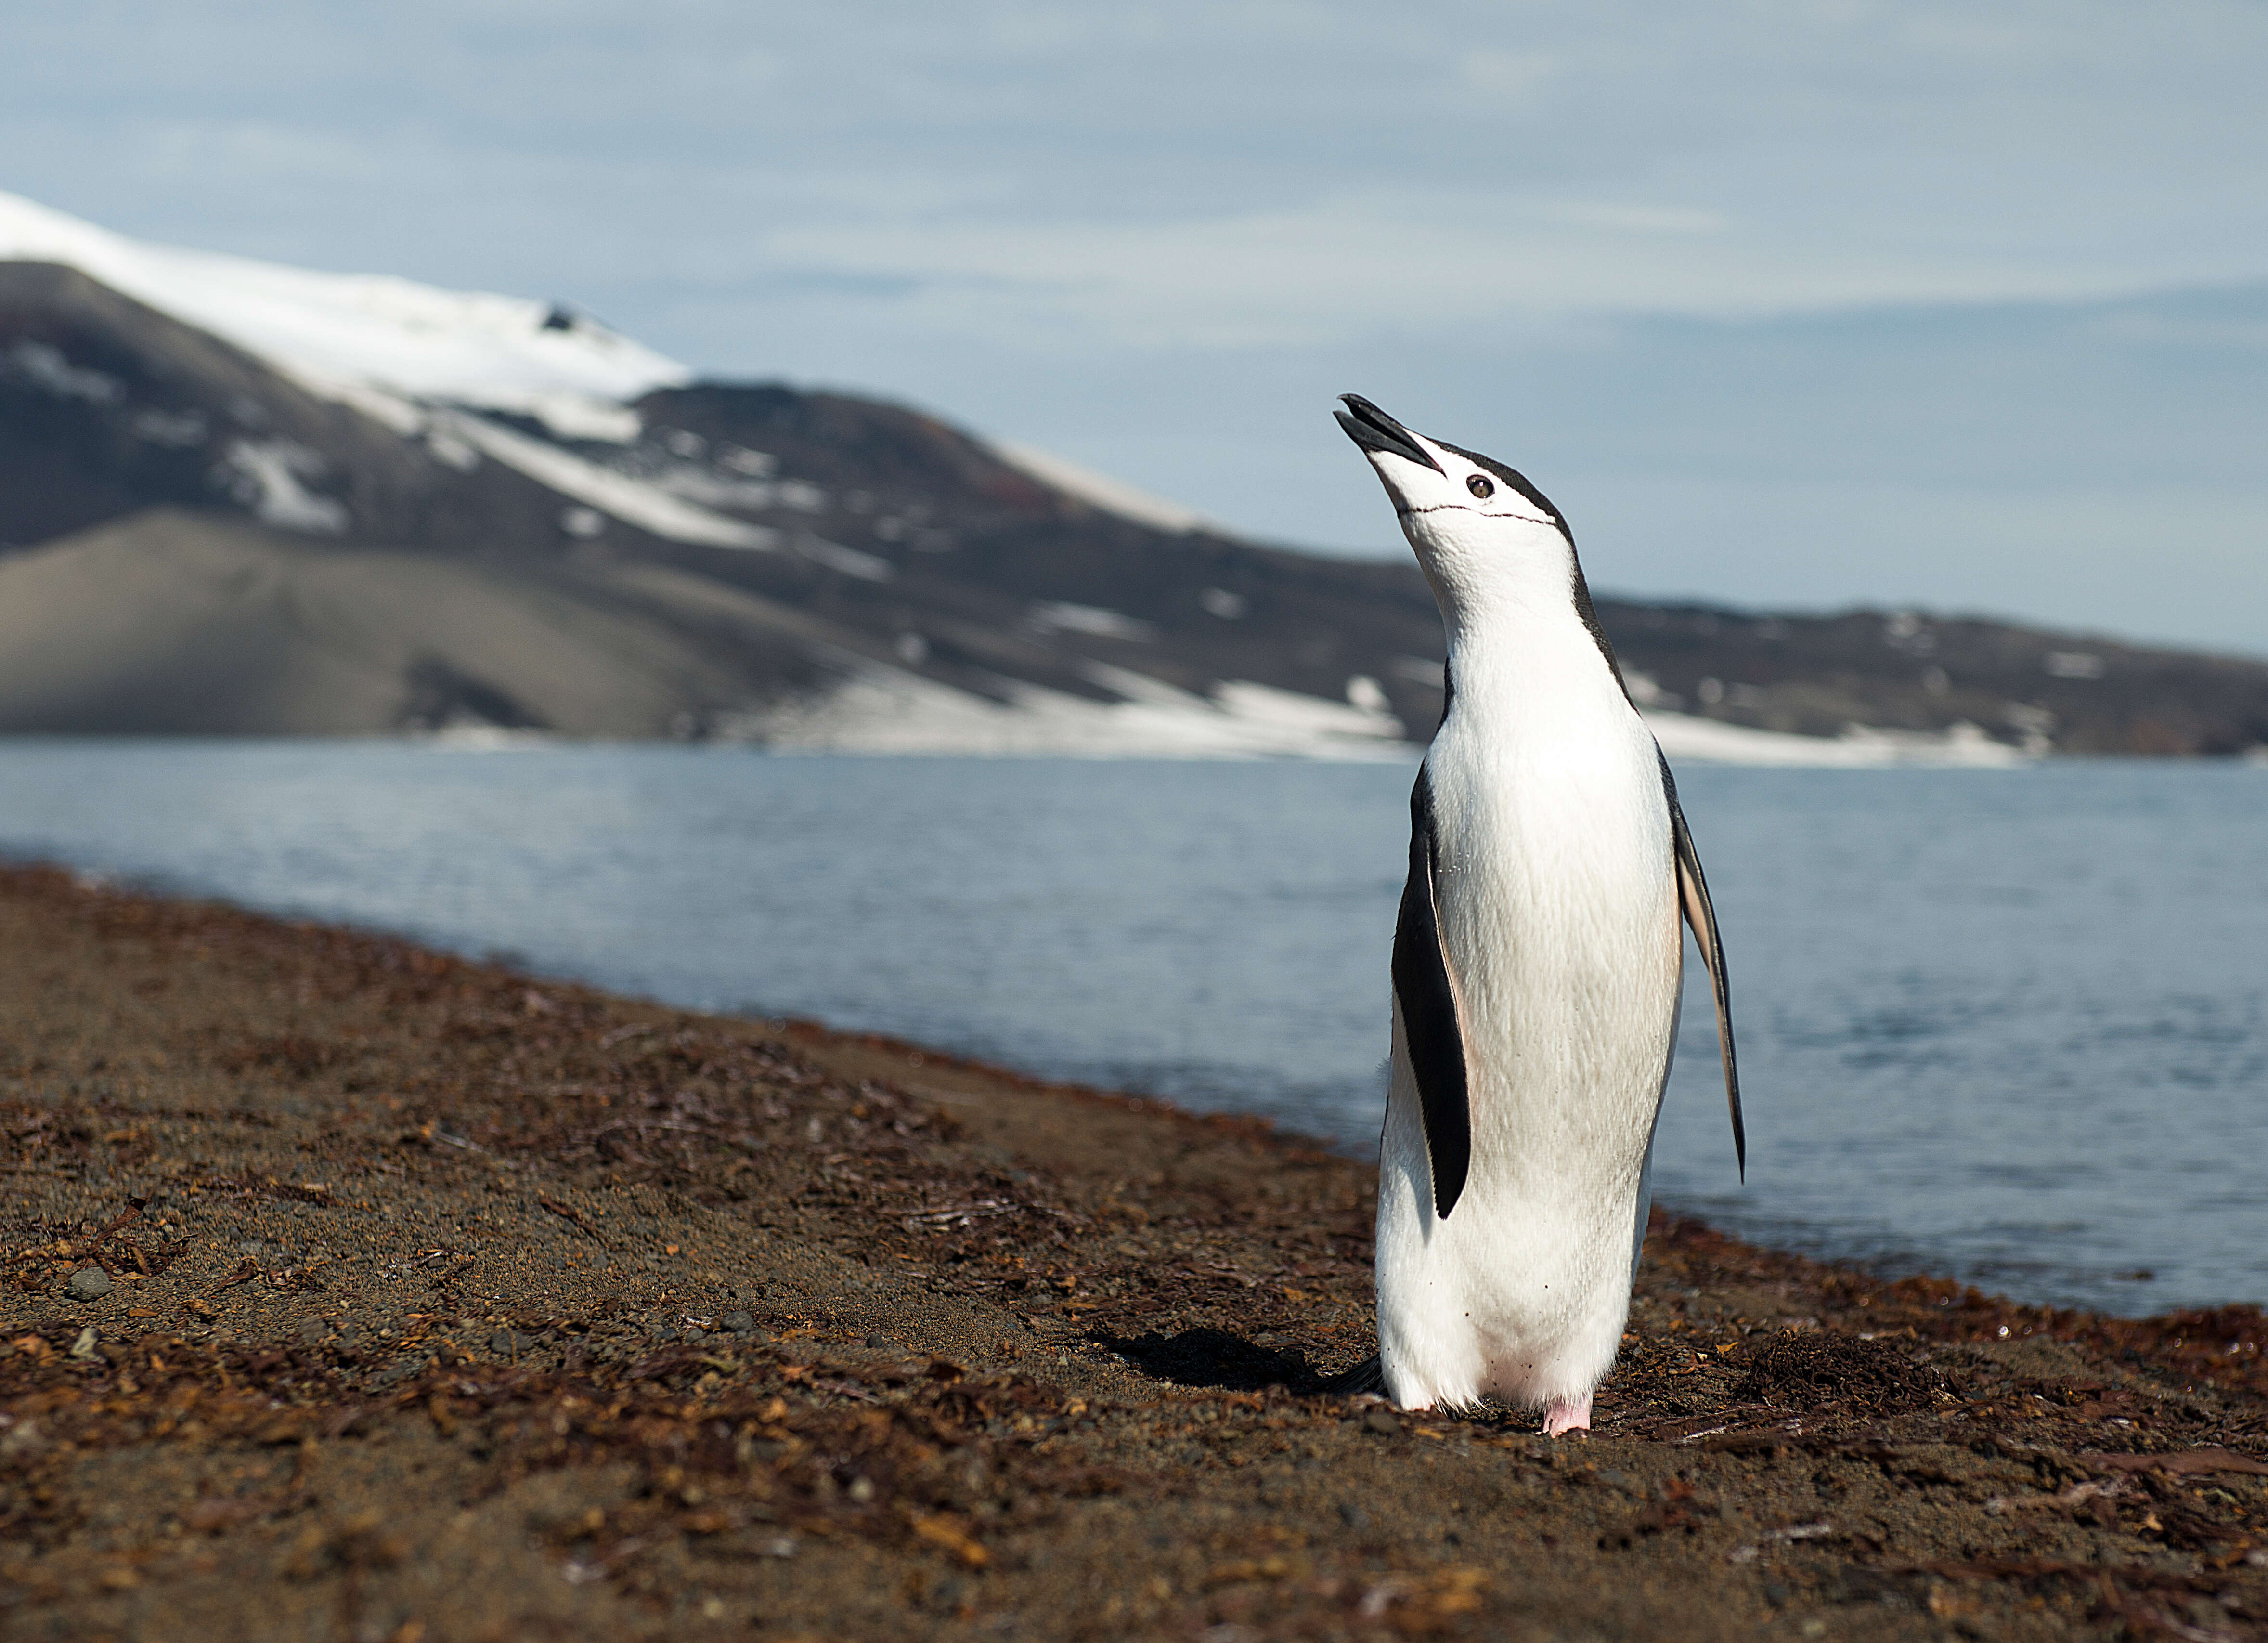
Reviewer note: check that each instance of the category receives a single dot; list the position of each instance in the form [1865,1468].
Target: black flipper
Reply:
[1427,994]
[1693,897]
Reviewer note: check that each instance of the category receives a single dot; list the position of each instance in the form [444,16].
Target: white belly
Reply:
[1558,917]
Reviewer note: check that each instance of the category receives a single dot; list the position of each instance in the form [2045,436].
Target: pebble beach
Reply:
[349,1290]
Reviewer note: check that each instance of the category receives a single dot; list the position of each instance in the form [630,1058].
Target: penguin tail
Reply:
[1369,1375]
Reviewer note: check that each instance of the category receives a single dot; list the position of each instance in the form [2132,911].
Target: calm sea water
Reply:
[2004,1024]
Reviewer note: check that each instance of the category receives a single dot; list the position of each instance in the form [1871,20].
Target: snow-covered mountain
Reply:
[197,452]
[346,335]
[236,496]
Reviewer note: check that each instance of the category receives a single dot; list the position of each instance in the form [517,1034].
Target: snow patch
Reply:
[714,490]
[1705,740]
[267,475]
[848,561]
[471,736]
[447,447]
[1306,715]
[883,709]
[1059,616]
[45,366]
[175,430]
[580,417]
[388,410]
[633,501]
[1098,490]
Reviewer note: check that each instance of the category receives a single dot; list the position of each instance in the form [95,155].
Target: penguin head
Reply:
[1478,528]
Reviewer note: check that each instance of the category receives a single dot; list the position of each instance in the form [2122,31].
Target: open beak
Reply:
[1374,430]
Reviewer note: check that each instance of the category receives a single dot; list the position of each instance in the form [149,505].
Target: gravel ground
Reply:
[352,1292]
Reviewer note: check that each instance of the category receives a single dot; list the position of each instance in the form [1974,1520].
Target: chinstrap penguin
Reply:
[1537,964]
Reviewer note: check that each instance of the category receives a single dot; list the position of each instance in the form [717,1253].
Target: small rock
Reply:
[1352,1515]
[312,1331]
[90,1283]
[1383,1423]
[503,1343]
[740,1323]
[83,1348]
[879,1342]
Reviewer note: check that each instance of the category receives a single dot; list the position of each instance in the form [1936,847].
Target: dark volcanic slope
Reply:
[107,407]
[350,1292]
[896,538]
[975,548]
[2076,693]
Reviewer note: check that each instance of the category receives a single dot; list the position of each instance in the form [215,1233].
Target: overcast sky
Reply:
[1785,303]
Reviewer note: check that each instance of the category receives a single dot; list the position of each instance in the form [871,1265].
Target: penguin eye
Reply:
[1481,486]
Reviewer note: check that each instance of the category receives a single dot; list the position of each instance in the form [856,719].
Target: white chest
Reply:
[1556,886]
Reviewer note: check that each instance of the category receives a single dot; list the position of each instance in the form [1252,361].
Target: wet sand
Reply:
[350,1291]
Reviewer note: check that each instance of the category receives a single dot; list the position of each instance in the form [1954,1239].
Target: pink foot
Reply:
[1567,1414]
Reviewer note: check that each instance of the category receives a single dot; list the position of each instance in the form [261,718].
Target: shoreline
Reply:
[436,1302]
[1884,1254]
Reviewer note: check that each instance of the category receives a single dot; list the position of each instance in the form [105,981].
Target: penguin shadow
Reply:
[1216,1360]
[1219,1360]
